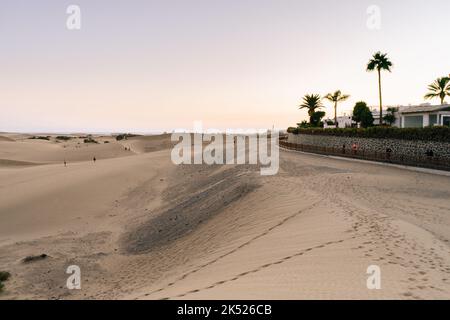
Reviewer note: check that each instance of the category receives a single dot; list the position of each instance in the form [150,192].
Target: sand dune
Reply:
[16,163]
[142,228]
[143,144]
[2,138]
[75,150]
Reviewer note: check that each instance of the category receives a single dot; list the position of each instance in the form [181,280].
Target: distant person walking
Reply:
[354,148]
[94,159]
[65,163]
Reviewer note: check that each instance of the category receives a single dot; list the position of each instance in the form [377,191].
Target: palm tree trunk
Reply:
[335,115]
[381,101]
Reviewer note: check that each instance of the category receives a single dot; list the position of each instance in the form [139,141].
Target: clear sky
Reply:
[161,64]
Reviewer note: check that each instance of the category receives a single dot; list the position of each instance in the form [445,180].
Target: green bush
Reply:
[40,138]
[125,136]
[362,114]
[90,140]
[389,118]
[63,138]
[29,259]
[304,124]
[439,134]
[4,276]
[316,119]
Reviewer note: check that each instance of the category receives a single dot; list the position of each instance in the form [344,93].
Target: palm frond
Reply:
[440,88]
[336,96]
[430,95]
[312,102]
[344,97]
[379,61]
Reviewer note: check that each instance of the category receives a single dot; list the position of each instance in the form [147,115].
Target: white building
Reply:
[376,114]
[343,122]
[405,117]
[424,116]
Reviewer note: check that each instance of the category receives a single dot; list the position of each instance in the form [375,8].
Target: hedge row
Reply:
[439,134]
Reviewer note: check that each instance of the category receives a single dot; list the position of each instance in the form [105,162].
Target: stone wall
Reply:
[405,148]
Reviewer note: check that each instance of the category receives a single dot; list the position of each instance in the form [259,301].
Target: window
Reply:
[413,122]
[433,119]
[446,121]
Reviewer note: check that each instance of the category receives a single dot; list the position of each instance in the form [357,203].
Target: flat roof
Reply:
[424,109]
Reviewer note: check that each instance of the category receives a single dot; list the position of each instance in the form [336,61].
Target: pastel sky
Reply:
[148,65]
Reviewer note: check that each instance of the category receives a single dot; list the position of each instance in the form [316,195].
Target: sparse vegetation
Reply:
[90,140]
[121,137]
[125,136]
[4,276]
[63,138]
[40,138]
[35,258]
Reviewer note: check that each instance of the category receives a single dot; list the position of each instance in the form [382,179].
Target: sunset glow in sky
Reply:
[157,65]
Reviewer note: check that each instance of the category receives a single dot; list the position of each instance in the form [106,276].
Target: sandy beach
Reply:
[141,227]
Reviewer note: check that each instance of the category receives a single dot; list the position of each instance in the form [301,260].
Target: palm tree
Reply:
[379,62]
[312,102]
[389,118]
[439,88]
[336,98]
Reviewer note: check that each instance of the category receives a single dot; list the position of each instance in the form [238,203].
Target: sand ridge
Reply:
[142,228]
